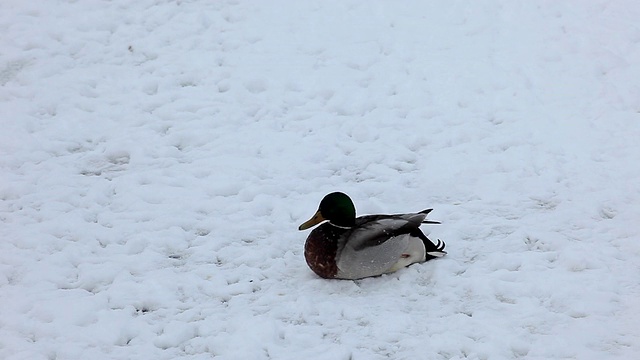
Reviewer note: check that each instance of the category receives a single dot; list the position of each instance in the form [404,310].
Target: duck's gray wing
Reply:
[376,244]
[373,230]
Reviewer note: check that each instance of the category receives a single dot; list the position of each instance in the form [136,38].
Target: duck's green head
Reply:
[336,207]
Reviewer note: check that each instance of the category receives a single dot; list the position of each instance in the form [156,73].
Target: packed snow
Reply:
[157,157]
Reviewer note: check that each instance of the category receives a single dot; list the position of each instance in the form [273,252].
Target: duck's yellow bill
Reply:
[316,219]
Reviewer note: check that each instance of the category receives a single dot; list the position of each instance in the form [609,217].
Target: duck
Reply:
[347,247]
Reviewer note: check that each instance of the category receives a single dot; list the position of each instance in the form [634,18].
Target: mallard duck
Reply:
[350,247]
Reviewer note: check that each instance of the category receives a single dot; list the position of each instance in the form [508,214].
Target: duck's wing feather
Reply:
[377,243]
[373,230]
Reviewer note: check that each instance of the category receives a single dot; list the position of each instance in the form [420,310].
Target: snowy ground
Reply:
[157,156]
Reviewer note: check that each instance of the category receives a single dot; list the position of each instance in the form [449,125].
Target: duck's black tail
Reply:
[433,250]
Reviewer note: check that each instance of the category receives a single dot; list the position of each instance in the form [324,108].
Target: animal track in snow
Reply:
[11,70]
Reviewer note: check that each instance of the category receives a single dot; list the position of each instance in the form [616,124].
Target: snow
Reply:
[158,156]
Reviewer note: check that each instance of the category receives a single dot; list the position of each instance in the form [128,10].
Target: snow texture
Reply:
[157,156]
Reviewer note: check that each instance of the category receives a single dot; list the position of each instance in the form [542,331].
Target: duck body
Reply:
[372,245]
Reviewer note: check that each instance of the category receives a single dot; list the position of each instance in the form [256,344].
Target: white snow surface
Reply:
[157,156]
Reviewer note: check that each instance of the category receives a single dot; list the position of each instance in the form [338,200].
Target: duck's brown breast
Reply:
[320,251]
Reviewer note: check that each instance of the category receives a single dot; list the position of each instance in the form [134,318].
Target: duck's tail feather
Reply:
[435,250]
[425,221]
[432,251]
